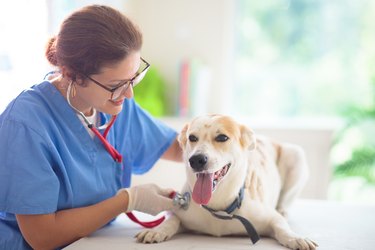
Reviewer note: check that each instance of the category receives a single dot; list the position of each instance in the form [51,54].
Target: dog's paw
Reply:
[152,236]
[301,244]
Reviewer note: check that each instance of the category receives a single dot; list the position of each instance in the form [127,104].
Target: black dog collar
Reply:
[254,236]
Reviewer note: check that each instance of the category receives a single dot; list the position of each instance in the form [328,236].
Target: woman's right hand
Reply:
[148,198]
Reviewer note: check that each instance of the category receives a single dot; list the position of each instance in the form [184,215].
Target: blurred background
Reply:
[290,66]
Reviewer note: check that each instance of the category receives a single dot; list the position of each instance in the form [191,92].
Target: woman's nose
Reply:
[128,93]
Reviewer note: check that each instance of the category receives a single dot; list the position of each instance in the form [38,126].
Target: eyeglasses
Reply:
[123,86]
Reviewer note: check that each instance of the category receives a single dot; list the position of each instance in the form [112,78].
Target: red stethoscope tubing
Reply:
[103,138]
[118,158]
[146,224]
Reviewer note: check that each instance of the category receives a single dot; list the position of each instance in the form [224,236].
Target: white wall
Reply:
[175,30]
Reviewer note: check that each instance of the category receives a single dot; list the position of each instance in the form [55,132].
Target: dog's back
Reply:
[263,180]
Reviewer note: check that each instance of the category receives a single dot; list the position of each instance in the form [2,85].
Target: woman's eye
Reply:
[193,138]
[221,138]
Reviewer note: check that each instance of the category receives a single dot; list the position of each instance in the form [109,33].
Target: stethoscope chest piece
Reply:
[182,200]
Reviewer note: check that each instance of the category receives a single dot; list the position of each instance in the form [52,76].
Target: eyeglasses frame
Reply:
[129,82]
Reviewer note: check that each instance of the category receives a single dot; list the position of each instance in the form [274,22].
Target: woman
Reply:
[60,179]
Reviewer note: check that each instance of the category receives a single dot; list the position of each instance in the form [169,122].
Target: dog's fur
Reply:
[272,174]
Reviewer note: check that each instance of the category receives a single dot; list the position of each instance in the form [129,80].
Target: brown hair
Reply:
[92,37]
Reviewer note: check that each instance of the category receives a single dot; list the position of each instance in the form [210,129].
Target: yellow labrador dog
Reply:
[240,184]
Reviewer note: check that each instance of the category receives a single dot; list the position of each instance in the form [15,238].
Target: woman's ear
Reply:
[247,140]
[66,72]
[182,136]
[69,74]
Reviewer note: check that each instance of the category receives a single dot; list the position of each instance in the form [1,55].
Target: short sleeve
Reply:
[29,184]
[143,138]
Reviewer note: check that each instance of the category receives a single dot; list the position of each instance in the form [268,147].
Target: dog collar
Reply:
[254,236]
[236,203]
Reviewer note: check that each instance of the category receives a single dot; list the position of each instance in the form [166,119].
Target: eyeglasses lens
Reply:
[139,77]
[134,82]
[120,90]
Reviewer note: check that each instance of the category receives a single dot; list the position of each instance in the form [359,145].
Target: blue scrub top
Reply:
[49,162]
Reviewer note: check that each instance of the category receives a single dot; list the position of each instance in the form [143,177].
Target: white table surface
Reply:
[332,225]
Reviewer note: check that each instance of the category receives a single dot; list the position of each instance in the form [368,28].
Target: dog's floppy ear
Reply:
[182,136]
[247,139]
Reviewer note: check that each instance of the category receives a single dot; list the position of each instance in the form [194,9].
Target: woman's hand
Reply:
[148,198]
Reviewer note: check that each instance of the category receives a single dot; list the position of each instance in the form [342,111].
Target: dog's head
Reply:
[214,149]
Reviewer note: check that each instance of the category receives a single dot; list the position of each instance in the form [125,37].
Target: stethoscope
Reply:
[103,138]
[113,152]
[178,199]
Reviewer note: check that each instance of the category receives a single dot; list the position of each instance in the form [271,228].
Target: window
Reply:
[24,34]
[313,58]
[303,58]
[23,37]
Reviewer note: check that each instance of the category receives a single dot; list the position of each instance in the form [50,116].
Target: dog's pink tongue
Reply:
[203,188]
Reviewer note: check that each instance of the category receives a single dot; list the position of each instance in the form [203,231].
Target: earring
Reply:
[74,90]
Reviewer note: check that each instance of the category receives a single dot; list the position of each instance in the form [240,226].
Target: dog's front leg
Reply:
[283,233]
[163,232]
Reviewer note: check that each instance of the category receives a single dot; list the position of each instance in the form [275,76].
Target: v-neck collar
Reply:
[68,114]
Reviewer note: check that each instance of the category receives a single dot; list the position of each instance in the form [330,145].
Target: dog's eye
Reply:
[221,138]
[193,138]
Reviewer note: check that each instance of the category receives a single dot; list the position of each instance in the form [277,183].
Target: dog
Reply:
[226,162]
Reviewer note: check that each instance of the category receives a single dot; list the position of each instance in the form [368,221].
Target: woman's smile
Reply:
[117,102]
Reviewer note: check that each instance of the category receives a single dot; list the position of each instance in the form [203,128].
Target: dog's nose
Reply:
[198,162]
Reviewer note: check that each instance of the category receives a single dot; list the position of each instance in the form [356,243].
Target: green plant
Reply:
[360,127]
[150,93]
[361,163]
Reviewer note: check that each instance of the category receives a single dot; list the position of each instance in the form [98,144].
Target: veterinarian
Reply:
[69,145]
